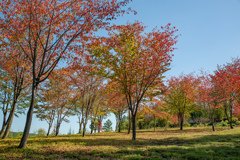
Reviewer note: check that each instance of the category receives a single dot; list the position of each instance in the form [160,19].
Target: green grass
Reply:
[191,143]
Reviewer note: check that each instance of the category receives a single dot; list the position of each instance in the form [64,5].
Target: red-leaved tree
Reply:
[47,31]
[134,60]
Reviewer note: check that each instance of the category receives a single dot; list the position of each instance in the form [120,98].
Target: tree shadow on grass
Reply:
[136,152]
[204,147]
[188,130]
[118,142]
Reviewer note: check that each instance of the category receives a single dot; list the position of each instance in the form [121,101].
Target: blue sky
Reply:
[210,35]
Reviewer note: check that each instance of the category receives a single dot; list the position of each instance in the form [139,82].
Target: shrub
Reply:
[187,125]
[222,123]
[41,132]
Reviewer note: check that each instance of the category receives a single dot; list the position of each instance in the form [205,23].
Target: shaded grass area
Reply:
[191,143]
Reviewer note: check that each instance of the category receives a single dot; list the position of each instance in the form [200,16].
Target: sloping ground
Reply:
[191,143]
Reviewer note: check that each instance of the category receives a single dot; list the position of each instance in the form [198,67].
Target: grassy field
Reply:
[191,143]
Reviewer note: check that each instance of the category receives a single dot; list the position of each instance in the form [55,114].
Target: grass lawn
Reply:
[191,143]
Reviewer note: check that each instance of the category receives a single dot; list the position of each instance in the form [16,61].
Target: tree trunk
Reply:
[10,118]
[225,110]
[4,124]
[80,125]
[231,110]
[134,127]
[3,129]
[84,129]
[23,142]
[119,126]
[93,124]
[154,123]
[99,125]
[57,129]
[49,128]
[213,127]
[181,122]
[129,119]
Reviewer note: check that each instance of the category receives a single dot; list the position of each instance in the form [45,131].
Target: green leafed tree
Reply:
[107,127]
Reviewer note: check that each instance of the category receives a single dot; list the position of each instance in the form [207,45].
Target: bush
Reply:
[222,123]
[187,125]
[41,132]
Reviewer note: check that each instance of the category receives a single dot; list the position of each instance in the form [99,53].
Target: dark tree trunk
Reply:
[181,122]
[154,123]
[119,121]
[99,125]
[23,142]
[4,124]
[134,127]
[213,127]
[231,110]
[92,127]
[57,129]
[119,126]
[49,128]
[229,119]
[10,118]
[129,119]
[225,111]
[84,129]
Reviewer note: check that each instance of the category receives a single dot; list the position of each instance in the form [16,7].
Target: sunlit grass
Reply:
[191,143]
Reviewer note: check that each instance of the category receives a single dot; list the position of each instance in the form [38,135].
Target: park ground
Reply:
[191,143]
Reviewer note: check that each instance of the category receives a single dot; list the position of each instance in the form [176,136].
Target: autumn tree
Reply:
[46,110]
[154,108]
[62,96]
[236,113]
[5,98]
[227,80]
[117,103]
[47,31]
[181,95]
[134,60]
[209,97]
[88,88]
[13,72]
[100,108]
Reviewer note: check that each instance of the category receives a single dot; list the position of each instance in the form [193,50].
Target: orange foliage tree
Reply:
[156,109]
[47,31]
[117,103]
[134,60]
[181,95]
[209,96]
[227,80]
[14,69]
